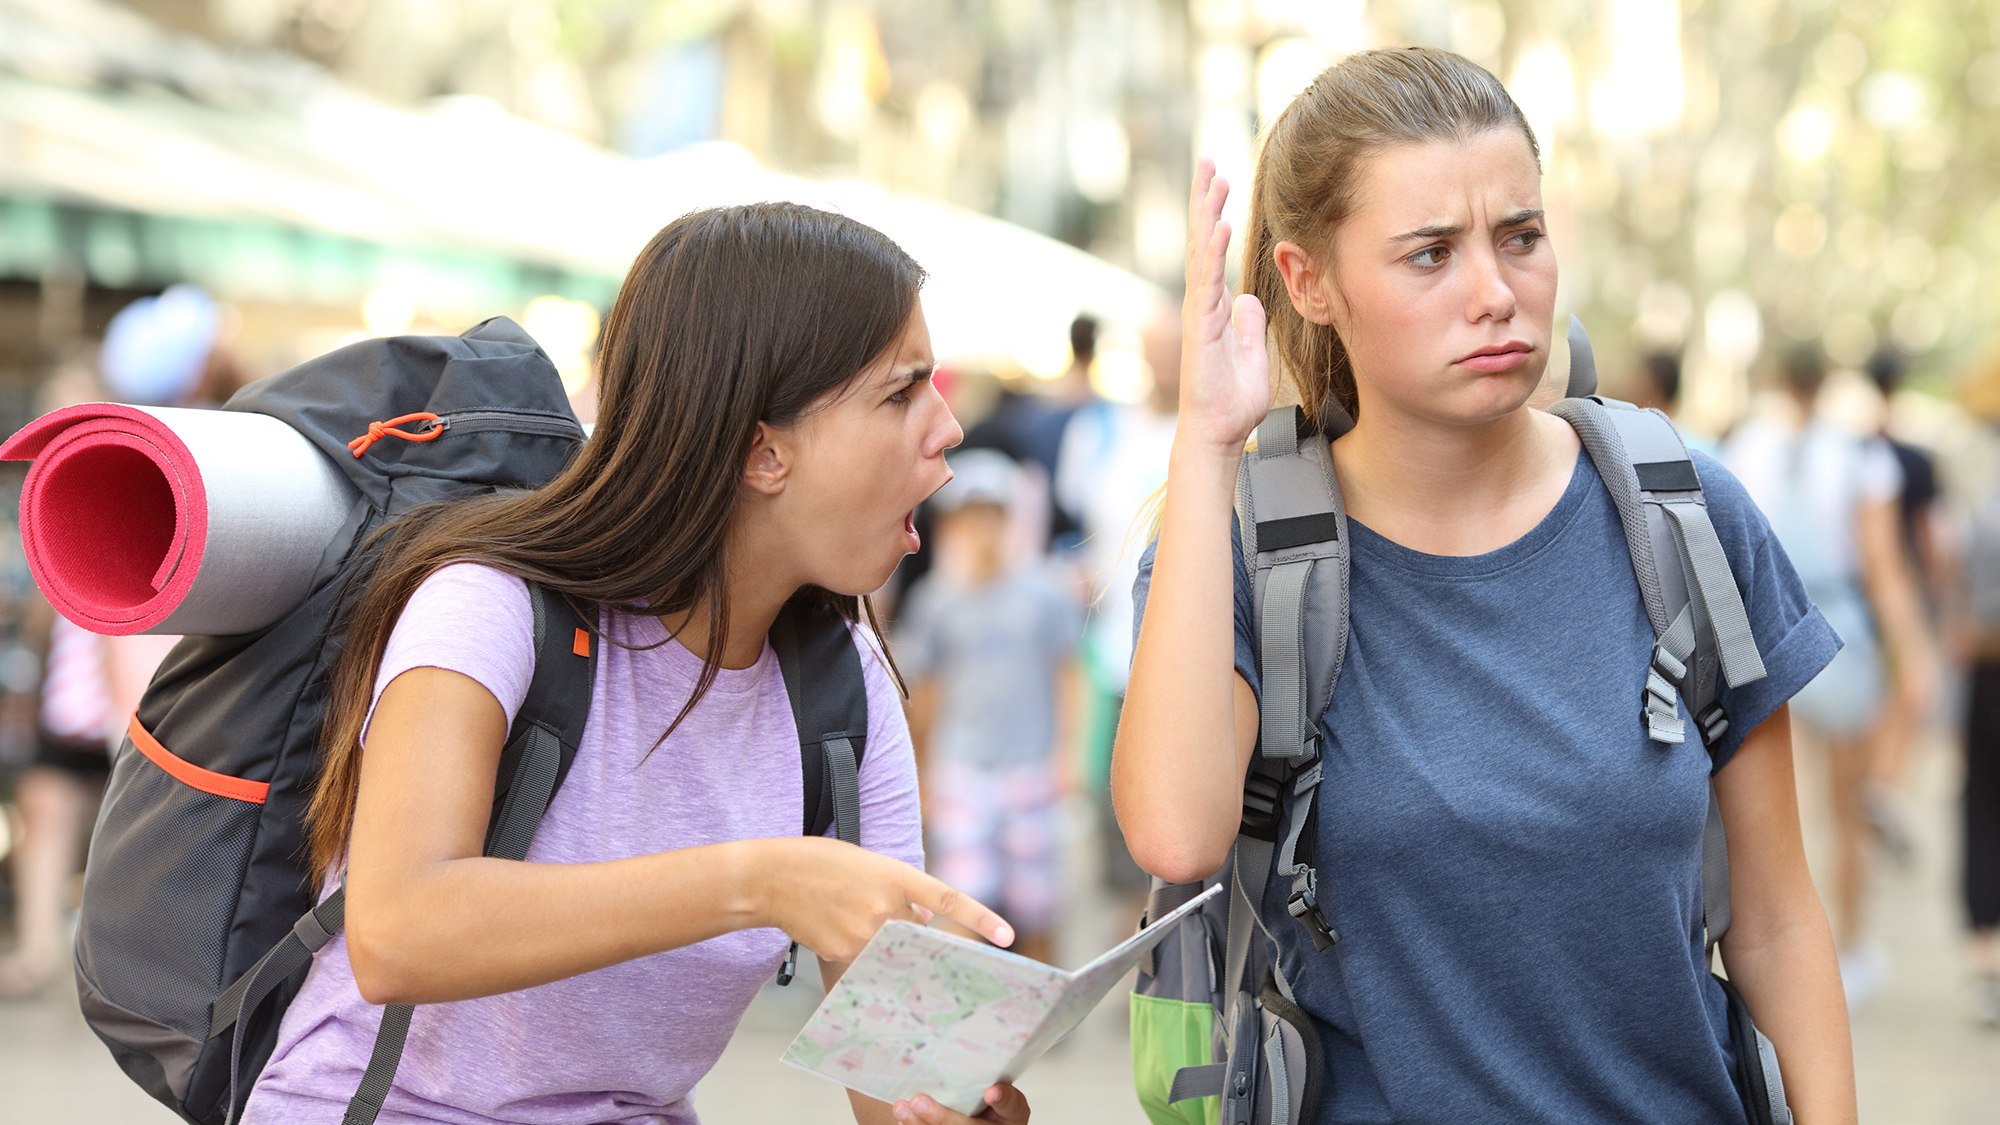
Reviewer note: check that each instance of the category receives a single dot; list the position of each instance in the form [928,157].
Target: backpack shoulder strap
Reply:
[1701,628]
[1684,578]
[829,697]
[540,748]
[1294,528]
[1295,545]
[549,726]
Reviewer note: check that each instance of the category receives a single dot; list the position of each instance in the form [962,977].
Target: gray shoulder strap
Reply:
[1294,530]
[1701,628]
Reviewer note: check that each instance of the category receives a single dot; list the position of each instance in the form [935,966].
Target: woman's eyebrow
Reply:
[1447,230]
[910,375]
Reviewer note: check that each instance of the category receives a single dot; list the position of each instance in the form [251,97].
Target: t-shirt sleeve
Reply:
[1246,636]
[1881,472]
[1794,640]
[470,619]
[891,815]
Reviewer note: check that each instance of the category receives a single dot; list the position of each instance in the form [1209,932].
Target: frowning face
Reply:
[1441,281]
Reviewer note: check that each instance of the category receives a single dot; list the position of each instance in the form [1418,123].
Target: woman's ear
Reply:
[770,462]
[1303,281]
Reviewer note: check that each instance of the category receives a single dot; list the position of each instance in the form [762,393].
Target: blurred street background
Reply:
[1737,192]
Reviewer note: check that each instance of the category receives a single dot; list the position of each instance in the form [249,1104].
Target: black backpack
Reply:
[198,922]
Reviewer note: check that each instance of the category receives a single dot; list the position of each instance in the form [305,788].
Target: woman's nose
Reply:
[1491,296]
[945,432]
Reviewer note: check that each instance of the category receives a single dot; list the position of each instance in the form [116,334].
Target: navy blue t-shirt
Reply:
[1514,867]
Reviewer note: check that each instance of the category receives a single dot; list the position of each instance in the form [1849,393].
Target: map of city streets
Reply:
[921,1011]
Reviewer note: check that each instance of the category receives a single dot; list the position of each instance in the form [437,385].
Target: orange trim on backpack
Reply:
[379,430]
[189,774]
[582,645]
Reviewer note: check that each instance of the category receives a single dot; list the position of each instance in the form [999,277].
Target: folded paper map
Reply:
[921,1011]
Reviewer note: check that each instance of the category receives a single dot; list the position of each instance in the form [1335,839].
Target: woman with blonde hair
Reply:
[1513,866]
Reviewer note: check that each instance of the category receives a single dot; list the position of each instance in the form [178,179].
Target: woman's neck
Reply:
[754,597]
[1447,489]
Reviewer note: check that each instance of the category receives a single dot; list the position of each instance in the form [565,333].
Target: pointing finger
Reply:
[966,911]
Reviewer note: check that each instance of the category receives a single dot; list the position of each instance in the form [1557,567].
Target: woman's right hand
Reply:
[831,896]
[1225,367]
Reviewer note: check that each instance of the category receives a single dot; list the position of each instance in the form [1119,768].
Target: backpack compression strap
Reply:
[539,750]
[829,696]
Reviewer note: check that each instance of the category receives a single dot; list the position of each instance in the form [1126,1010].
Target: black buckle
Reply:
[1304,906]
[1714,723]
[1263,805]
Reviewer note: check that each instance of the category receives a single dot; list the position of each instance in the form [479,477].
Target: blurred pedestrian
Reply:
[1028,425]
[1831,500]
[1975,635]
[1114,461]
[1658,387]
[1918,515]
[988,643]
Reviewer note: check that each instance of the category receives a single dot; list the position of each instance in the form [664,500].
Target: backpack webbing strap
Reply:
[366,1104]
[1290,517]
[1714,874]
[829,698]
[248,992]
[1713,592]
[1197,1082]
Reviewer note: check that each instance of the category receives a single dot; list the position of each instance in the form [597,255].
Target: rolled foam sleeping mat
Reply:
[166,520]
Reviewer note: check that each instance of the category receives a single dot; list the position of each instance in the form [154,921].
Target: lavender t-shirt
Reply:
[626,1043]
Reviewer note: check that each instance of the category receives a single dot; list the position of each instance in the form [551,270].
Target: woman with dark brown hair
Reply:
[1513,864]
[767,426]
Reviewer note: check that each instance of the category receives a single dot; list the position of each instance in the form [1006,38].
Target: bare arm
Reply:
[1190,723]
[423,903]
[922,710]
[1779,949]
[1892,596]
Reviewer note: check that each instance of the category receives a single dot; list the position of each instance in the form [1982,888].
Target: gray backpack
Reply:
[1216,1032]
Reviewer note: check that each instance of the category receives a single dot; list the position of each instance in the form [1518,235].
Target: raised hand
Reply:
[1225,369]
[831,897]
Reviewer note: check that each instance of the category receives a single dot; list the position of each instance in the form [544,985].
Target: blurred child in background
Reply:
[988,642]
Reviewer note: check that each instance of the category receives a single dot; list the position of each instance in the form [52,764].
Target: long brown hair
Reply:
[1307,174]
[729,317]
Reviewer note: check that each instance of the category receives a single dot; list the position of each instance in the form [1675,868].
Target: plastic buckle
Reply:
[1263,805]
[1714,723]
[1304,906]
[790,968]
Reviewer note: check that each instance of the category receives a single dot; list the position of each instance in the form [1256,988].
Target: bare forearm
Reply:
[474,927]
[1176,771]
[1791,982]
[1891,586]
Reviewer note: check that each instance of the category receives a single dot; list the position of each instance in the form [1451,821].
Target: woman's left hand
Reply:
[1004,1103]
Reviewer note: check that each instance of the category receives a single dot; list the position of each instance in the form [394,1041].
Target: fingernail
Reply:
[1004,935]
[901,1110]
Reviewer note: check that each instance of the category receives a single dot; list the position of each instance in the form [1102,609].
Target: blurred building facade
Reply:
[1725,178]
